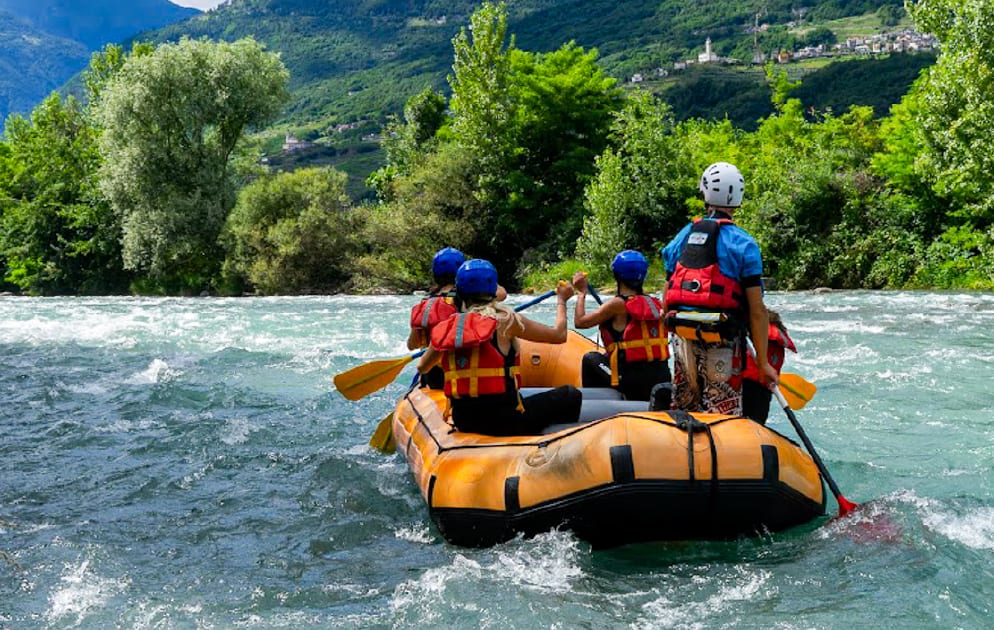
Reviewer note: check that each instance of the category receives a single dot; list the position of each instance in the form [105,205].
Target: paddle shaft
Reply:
[593,293]
[845,506]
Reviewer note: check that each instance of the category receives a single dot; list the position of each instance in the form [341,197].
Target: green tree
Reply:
[941,144]
[639,195]
[435,206]
[172,121]
[564,108]
[481,105]
[293,232]
[890,14]
[407,142]
[59,235]
[957,151]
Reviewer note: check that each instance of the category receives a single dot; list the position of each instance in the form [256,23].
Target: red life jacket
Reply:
[697,281]
[473,364]
[644,337]
[429,312]
[776,348]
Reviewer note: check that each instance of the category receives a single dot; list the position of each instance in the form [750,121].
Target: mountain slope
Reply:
[32,64]
[361,59]
[43,43]
[96,22]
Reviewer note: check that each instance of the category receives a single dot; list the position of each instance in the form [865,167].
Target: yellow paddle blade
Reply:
[382,439]
[367,378]
[796,390]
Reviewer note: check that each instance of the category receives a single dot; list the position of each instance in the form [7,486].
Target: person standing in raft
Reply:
[478,351]
[755,395]
[633,333]
[438,306]
[714,295]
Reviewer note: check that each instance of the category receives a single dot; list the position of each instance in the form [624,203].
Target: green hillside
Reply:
[358,61]
[361,59]
[95,22]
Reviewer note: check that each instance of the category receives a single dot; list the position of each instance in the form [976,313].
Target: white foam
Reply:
[975,529]
[81,592]
[156,372]
[237,431]
[416,533]
[679,610]
[549,563]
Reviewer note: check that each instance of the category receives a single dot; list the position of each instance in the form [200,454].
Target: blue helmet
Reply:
[475,277]
[630,266]
[447,261]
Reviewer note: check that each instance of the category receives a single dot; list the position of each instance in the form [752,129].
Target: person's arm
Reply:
[416,339]
[428,360]
[534,331]
[606,311]
[759,328]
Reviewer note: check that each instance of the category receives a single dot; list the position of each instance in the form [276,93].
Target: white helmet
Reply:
[722,185]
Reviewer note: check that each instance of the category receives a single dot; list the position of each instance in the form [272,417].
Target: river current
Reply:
[186,463]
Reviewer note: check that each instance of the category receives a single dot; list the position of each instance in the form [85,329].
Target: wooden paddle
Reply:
[382,438]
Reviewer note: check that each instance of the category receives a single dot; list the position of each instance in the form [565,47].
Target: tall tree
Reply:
[172,121]
[958,112]
[532,126]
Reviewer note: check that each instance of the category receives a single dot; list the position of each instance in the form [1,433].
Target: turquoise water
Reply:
[186,463]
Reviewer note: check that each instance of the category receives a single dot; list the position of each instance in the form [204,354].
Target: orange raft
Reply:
[620,475]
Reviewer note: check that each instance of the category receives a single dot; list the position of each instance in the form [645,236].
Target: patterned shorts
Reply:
[707,377]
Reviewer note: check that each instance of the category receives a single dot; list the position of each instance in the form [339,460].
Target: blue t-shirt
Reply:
[738,254]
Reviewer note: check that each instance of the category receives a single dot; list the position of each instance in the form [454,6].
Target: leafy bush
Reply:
[293,233]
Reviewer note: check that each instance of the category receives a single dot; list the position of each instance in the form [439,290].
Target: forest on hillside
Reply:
[538,161]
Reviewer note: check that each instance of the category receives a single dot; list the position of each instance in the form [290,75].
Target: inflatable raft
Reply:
[620,475]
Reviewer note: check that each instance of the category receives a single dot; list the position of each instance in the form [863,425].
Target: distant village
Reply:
[903,41]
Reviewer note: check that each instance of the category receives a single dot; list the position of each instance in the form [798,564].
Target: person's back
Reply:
[714,297]
[478,352]
[632,330]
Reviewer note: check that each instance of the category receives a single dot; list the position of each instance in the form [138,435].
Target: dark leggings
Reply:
[756,401]
[499,415]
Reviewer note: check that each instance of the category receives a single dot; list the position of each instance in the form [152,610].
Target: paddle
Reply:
[382,438]
[797,390]
[363,380]
[845,506]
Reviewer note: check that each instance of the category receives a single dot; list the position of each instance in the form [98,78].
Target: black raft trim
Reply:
[771,463]
[622,464]
[431,489]
[512,504]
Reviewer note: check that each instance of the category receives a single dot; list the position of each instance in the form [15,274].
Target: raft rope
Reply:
[692,425]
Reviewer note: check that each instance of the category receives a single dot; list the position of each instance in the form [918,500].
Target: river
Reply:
[186,463]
